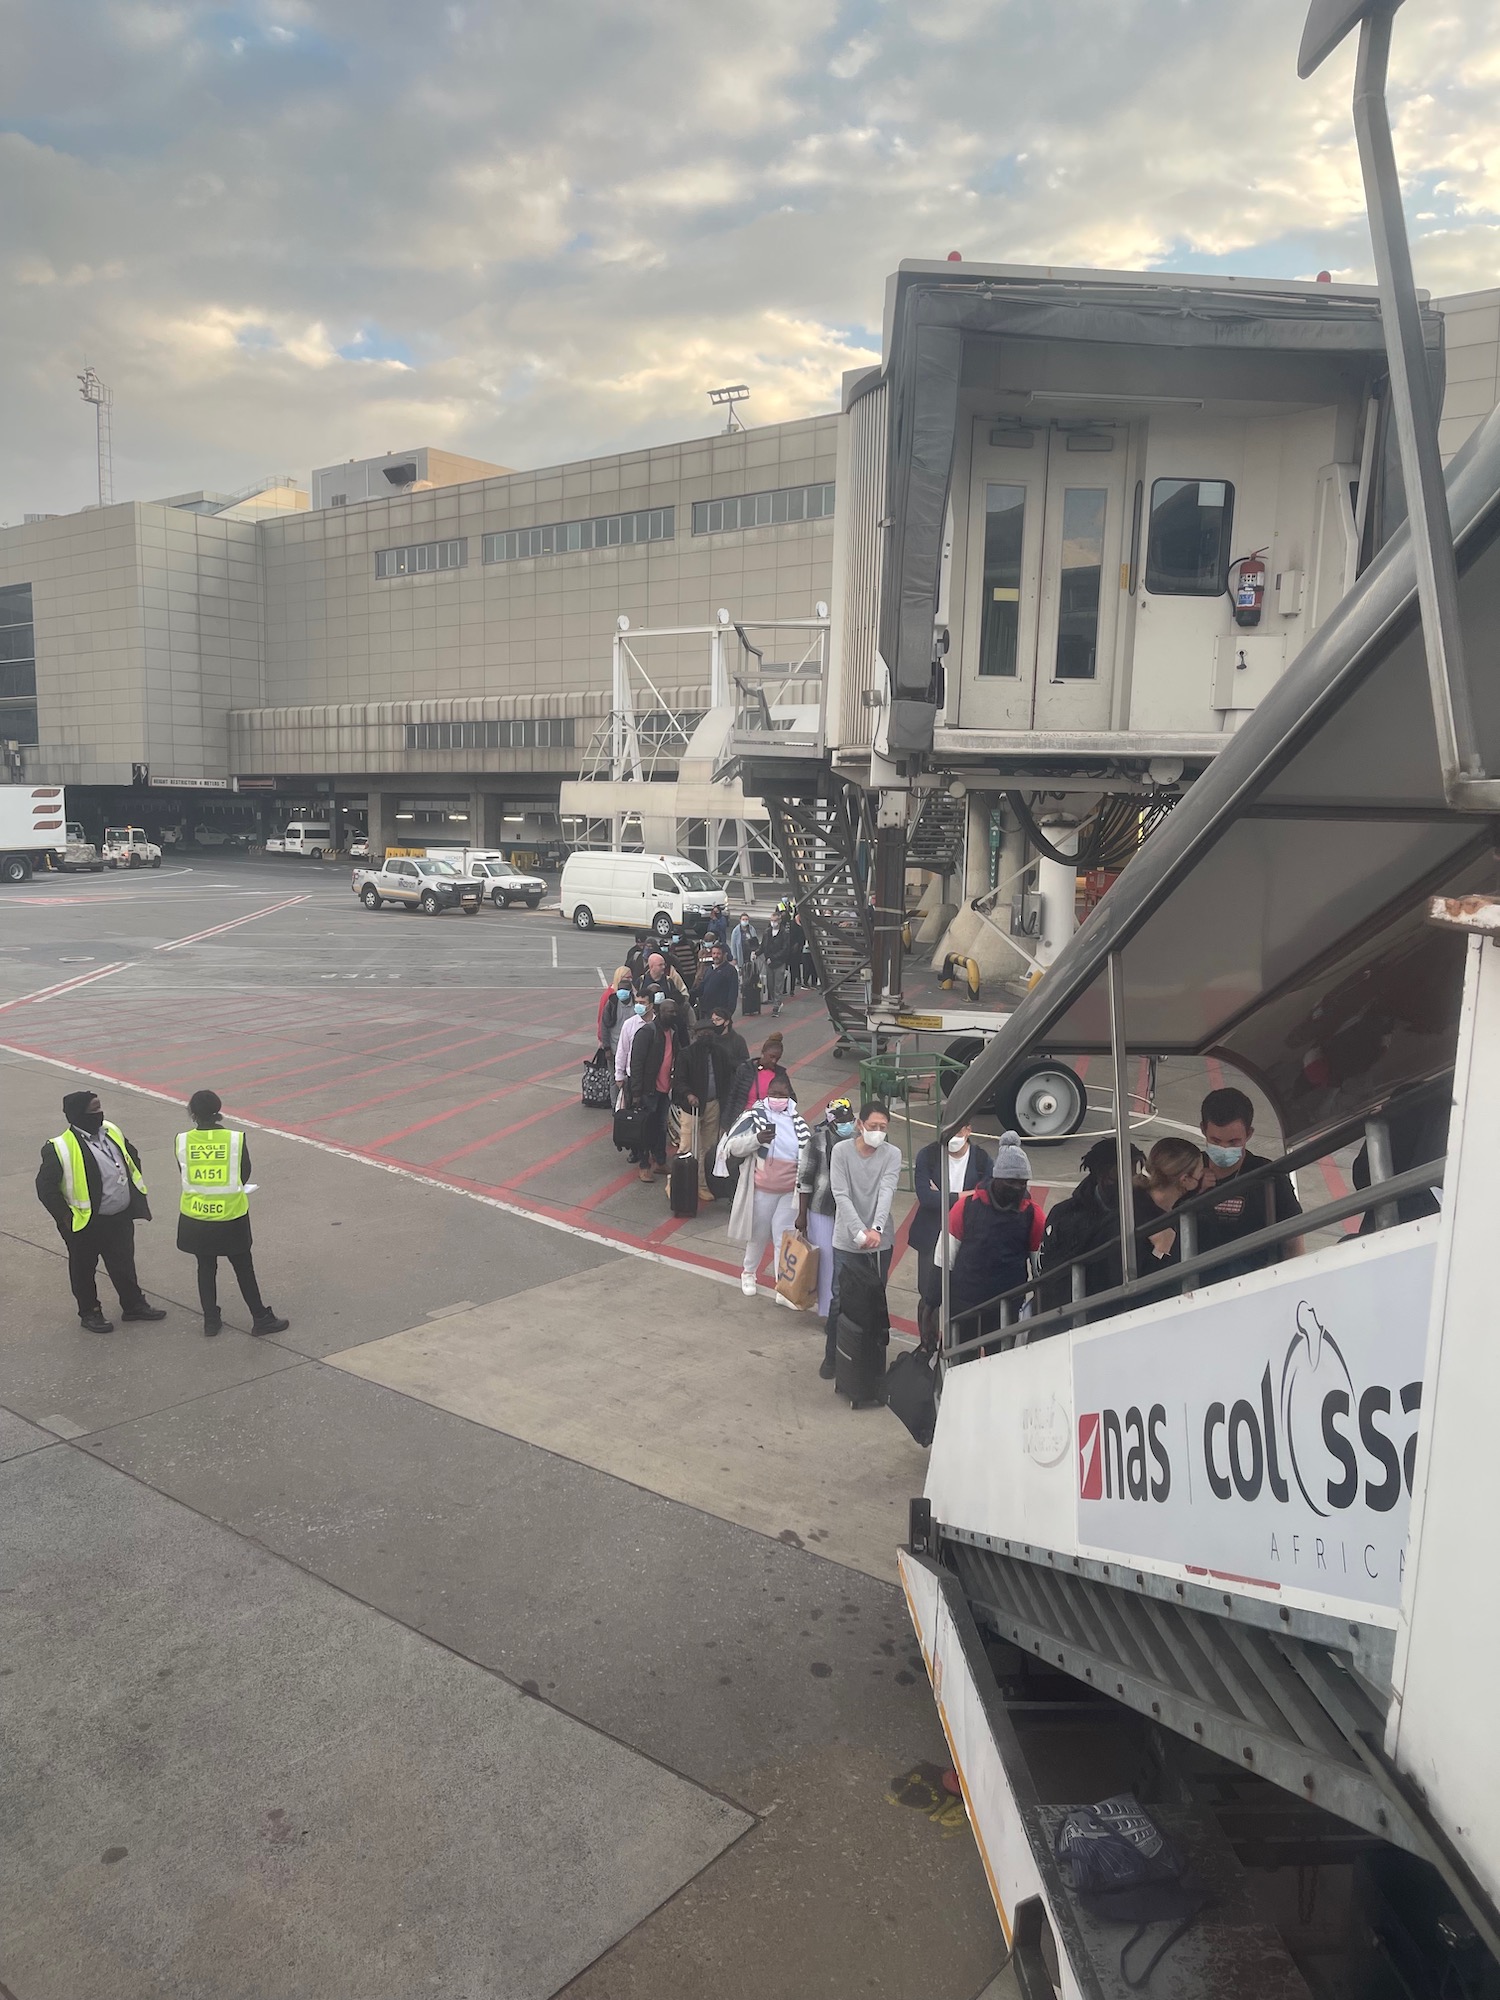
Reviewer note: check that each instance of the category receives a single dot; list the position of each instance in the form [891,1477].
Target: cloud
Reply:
[288,231]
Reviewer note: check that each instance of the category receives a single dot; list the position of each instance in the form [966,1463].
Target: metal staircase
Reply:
[822,843]
[935,838]
[1299,1701]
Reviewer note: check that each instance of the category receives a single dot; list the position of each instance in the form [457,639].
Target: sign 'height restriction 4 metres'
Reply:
[1272,1440]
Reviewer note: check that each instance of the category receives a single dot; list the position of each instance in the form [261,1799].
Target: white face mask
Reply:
[957,1147]
[875,1138]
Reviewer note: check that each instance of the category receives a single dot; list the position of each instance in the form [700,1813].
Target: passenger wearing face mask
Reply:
[655,1051]
[615,1008]
[772,1192]
[1227,1120]
[969,1166]
[816,1217]
[993,1232]
[90,1183]
[864,1173]
[635,1013]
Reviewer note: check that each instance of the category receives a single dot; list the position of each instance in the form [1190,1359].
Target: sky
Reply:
[290,232]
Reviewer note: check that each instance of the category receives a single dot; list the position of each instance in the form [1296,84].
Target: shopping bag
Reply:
[598,1082]
[797,1270]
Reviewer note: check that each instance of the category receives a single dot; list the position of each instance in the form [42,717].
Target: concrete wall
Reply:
[147,635]
[337,633]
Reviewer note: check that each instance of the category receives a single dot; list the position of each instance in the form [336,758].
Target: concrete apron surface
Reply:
[543,1640]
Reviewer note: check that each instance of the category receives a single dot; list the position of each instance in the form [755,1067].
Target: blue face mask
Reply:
[845,1130]
[1225,1156]
[623,991]
[640,1008]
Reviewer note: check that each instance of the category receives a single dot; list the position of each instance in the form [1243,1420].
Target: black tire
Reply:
[429,903]
[370,896]
[499,898]
[157,862]
[1046,1102]
[533,902]
[471,909]
[15,868]
[316,854]
[413,907]
[662,925]
[583,918]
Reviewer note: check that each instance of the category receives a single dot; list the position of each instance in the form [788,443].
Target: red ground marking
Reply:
[602,1195]
[425,1082]
[566,1152]
[382,1068]
[902,1241]
[256,1062]
[1081,1067]
[505,1132]
[473,1104]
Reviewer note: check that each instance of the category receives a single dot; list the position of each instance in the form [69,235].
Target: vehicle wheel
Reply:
[499,898]
[96,868]
[369,897]
[662,925]
[583,918]
[1046,1101]
[15,868]
[429,904]
[409,907]
[316,854]
[470,909]
[111,864]
[157,862]
[533,902]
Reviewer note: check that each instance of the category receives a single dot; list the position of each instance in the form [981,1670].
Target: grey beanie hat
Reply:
[1011,1163]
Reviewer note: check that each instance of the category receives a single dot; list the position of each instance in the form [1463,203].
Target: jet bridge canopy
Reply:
[1275,917]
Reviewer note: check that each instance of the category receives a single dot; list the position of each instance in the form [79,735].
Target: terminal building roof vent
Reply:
[404,474]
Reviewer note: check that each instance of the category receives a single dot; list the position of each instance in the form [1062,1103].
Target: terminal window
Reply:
[1187,545]
[546,732]
[17,666]
[424,557]
[762,510]
[565,538]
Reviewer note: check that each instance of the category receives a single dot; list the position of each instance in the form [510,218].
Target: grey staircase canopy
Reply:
[1275,917]
[932,310]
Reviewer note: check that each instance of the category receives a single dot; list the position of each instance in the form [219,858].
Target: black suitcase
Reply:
[682,1186]
[911,1392]
[859,1361]
[750,989]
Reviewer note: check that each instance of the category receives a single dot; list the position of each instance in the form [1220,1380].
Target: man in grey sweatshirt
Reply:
[863,1173]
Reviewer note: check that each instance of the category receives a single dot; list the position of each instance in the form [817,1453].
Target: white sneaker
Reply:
[747,1284]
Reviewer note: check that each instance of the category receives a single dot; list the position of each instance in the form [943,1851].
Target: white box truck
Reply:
[33,829]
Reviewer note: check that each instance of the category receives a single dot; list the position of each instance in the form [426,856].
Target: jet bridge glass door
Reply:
[1044,547]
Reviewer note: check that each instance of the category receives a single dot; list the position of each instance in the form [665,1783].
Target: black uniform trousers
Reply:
[242,1263]
[112,1238]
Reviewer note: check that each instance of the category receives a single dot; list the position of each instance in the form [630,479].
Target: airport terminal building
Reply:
[421,644]
[421,635]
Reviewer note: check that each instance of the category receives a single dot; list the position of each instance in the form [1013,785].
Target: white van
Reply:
[310,837]
[638,892]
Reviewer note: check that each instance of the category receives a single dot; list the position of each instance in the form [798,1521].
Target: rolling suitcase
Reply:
[859,1362]
[682,1183]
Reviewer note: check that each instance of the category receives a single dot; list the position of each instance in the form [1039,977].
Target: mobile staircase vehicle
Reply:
[1221,1540]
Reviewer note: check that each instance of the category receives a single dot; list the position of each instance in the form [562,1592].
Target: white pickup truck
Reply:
[417,882]
[308,837]
[128,847]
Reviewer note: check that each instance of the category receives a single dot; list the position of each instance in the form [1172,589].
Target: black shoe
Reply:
[95,1322]
[144,1312]
[827,1371]
[212,1324]
[269,1323]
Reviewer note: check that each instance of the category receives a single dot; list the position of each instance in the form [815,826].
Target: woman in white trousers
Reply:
[774,1134]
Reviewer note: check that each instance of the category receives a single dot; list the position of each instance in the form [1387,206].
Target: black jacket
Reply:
[701,1070]
[733,1051]
[49,1186]
[646,1057]
[717,991]
[927,1223]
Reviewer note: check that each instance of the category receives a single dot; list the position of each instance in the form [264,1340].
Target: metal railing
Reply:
[1017,1317]
[779,707]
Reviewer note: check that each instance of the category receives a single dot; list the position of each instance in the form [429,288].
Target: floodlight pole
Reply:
[1465,783]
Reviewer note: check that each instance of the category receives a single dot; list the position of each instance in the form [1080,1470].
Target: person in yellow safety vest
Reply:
[214,1221]
[90,1183]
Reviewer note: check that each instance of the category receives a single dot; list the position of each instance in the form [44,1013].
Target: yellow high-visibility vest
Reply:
[75,1185]
[213,1187]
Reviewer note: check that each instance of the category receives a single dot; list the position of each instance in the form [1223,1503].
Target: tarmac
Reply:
[518,1623]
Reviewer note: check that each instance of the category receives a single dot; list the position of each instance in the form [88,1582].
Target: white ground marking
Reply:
[214,930]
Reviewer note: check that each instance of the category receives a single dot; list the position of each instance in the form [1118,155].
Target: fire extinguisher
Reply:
[1250,591]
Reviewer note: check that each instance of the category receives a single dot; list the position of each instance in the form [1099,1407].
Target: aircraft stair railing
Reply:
[1033,1311]
[821,843]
